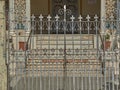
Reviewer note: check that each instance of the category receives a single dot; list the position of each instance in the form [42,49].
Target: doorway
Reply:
[83,7]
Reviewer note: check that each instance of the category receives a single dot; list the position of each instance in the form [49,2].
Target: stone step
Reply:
[59,63]
[62,46]
[67,36]
[52,41]
[48,72]
[59,66]
[61,60]
[67,42]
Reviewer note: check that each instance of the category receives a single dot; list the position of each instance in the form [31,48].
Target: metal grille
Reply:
[65,55]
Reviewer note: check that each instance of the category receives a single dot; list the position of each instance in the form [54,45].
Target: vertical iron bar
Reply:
[73,61]
[80,51]
[65,62]
[97,74]
[56,51]
[41,28]
[104,60]
[101,70]
[97,46]
[113,61]
[88,70]
[36,58]
[25,57]
[49,54]
[109,74]
[33,53]
[17,53]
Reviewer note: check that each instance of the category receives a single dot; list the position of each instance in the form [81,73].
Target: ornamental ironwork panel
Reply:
[72,7]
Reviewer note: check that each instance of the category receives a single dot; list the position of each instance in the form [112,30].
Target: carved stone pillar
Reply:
[110,8]
[11,16]
[28,13]
[19,12]
[103,15]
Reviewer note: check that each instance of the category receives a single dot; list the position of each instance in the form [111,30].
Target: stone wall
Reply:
[2,49]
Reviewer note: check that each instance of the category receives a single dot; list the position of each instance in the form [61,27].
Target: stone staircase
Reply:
[72,41]
[47,62]
[50,54]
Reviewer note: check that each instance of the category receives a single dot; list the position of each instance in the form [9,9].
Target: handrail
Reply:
[26,47]
[28,40]
[102,40]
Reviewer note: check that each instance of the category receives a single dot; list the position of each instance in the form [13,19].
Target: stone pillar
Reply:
[19,11]
[3,70]
[28,14]
[103,8]
[110,8]
[11,16]
[103,15]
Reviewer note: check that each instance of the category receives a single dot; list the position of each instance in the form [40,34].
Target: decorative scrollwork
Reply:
[61,12]
[53,51]
[45,51]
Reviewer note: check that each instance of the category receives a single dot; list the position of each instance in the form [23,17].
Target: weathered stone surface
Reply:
[110,8]
[2,50]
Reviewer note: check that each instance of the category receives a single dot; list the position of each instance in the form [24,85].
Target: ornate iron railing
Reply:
[66,55]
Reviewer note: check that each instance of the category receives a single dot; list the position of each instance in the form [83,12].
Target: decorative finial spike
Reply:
[33,17]
[88,18]
[49,17]
[41,17]
[72,18]
[64,6]
[80,18]
[96,17]
[57,17]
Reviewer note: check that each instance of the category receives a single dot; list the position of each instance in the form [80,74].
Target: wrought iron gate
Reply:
[65,55]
